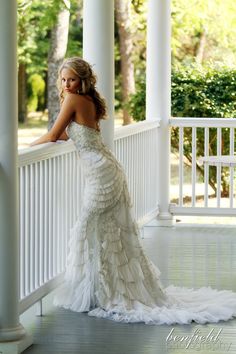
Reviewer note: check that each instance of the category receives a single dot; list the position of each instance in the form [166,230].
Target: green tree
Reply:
[56,54]
[123,20]
[36,20]
[203,26]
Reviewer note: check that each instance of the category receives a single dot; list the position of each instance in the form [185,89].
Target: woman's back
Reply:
[86,112]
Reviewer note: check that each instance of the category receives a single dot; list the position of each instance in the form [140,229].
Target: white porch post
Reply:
[98,50]
[158,94]
[13,337]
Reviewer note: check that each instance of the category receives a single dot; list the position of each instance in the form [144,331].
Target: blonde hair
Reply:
[88,79]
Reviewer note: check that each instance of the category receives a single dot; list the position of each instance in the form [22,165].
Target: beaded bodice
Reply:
[84,137]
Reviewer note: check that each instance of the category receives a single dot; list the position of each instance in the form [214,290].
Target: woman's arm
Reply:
[42,140]
[64,117]
[63,136]
[46,138]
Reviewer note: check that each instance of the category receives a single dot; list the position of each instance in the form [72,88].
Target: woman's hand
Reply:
[46,138]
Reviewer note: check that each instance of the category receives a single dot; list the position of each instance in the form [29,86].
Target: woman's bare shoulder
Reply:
[71,96]
[81,99]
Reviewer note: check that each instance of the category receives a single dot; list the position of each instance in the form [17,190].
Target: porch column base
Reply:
[165,219]
[18,346]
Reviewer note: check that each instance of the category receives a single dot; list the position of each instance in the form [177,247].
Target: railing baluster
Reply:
[65,205]
[133,179]
[142,138]
[78,178]
[41,223]
[32,226]
[140,176]
[27,231]
[50,218]
[58,228]
[54,218]
[22,232]
[181,154]
[76,187]
[231,170]
[72,192]
[206,167]
[129,165]
[218,168]
[46,223]
[149,176]
[37,230]
[63,216]
[194,135]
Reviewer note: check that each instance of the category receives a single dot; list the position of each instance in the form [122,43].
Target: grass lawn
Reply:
[35,126]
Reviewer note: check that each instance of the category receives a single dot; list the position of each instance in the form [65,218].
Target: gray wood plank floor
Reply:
[191,256]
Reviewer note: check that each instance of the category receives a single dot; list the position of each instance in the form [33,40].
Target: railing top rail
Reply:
[45,151]
[203,122]
[131,129]
[42,152]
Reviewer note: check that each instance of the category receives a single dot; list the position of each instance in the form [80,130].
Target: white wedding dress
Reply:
[108,273]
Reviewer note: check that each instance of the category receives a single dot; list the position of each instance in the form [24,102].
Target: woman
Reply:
[108,273]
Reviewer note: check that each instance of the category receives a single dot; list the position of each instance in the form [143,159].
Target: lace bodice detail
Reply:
[95,156]
[85,138]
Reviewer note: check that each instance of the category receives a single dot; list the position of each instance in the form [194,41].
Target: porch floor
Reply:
[187,255]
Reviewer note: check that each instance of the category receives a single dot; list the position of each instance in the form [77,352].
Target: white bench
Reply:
[223,160]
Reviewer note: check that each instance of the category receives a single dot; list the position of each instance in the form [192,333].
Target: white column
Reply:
[12,334]
[158,94]
[98,50]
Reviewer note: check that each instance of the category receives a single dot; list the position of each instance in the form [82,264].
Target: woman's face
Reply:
[70,82]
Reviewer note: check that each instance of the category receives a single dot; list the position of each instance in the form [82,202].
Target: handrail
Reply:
[202,122]
[45,151]
[139,127]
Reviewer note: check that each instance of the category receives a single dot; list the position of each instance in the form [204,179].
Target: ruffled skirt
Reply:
[108,273]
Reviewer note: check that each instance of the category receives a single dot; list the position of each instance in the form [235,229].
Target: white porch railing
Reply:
[205,125]
[135,147]
[51,185]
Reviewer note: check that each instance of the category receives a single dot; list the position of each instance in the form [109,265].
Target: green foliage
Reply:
[75,39]
[197,92]
[137,102]
[215,19]
[204,92]
[36,18]
[36,90]
[138,25]
[190,19]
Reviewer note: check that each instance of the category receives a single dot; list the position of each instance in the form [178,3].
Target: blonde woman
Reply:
[108,273]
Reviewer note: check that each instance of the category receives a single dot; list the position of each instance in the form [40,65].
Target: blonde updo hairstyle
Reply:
[88,80]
